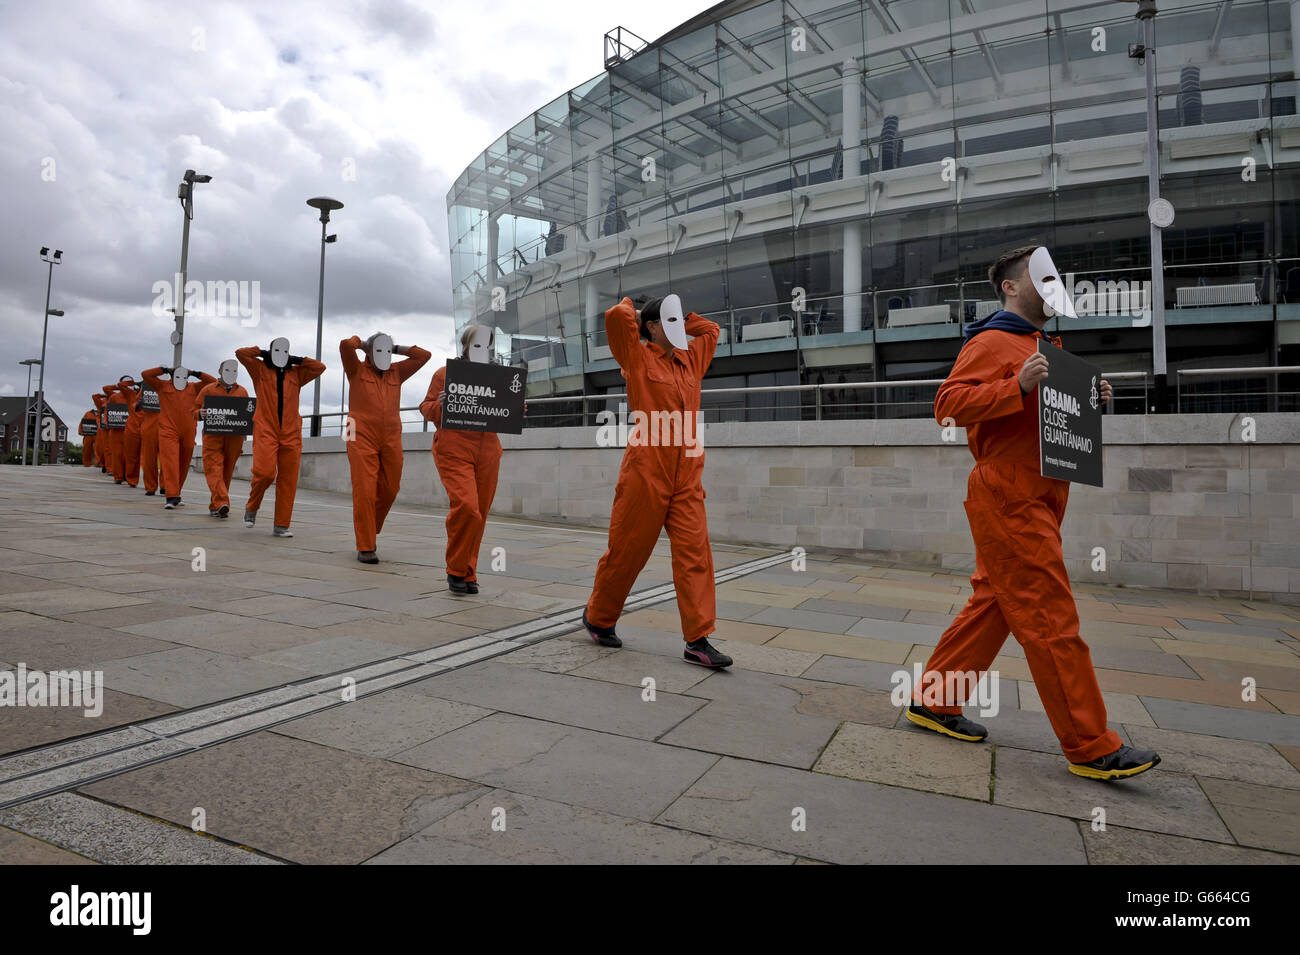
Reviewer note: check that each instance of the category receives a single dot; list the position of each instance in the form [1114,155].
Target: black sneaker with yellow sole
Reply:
[1121,764]
[949,724]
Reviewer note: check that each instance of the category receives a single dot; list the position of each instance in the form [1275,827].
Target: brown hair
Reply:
[1009,265]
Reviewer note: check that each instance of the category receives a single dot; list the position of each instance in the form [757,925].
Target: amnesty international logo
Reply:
[1093,396]
[515,385]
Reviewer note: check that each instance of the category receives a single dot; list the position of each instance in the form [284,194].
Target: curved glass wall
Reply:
[830,181]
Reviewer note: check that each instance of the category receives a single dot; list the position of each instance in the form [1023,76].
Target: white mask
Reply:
[280,352]
[673,320]
[480,346]
[180,378]
[1056,297]
[381,352]
[229,372]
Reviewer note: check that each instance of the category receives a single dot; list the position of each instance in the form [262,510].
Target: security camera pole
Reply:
[1159,211]
[186,194]
[326,206]
[40,394]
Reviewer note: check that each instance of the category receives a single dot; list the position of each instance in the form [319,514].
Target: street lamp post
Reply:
[27,402]
[1159,211]
[57,259]
[185,192]
[326,206]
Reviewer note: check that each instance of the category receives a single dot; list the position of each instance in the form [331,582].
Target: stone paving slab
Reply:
[385,724]
[624,776]
[19,849]
[851,822]
[923,761]
[87,829]
[562,698]
[1259,816]
[1216,757]
[545,832]
[189,677]
[1119,846]
[1224,721]
[28,727]
[1157,801]
[292,799]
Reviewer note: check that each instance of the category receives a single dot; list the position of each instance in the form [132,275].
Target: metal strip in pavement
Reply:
[77,762]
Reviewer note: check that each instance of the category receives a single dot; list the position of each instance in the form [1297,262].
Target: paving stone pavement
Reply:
[562,751]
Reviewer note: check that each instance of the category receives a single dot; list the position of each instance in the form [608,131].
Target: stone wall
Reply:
[1186,504]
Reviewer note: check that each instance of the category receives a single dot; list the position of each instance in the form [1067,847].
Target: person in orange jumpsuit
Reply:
[127,441]
[660,480]
[375,443]
[1020,581]
[220,451]
[277,427]
[120,394]
[89,420]
[149,469]
[176,425]
[468,463]
[99,400]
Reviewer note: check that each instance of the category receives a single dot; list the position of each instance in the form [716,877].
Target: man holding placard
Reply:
[1020,581]
[223,436]
[468,458]
[88,429]
[147,406]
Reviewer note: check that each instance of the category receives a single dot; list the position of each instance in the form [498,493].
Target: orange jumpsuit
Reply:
[277,428]
[375,453]
[659,486]
[126,443]
[468,463]
[117,436]
[1020,580]
[220,451]
[176,426]
[149,448]
[88,440]
[131,439]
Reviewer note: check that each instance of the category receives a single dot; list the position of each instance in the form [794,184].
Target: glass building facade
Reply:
[830,182]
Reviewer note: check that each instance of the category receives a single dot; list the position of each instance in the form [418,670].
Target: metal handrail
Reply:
[874,385]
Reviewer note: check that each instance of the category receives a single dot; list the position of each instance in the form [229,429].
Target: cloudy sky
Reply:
[378,103]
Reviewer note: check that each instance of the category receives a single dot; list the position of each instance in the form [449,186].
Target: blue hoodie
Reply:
[1004,321]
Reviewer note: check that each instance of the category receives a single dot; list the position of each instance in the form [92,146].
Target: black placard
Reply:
[115,416]
[89,427]
[226,415]
[1069,418]
[148,400]
[484,397]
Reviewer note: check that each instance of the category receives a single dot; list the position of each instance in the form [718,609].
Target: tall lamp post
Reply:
[27,403]
[1160,212]
[57,259]
[326,206]
[185,192]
